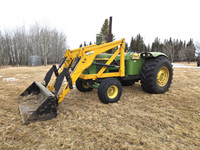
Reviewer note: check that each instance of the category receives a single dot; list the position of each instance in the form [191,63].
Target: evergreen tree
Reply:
[180,44]
[132,45]
[81,45]
[156,45]
[140,46]
[104,29]
[137,44]
[190,51]
[90,43]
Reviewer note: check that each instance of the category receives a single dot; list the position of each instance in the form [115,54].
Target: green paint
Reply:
[94,85]
[132,66]
[92,69]
[106,55]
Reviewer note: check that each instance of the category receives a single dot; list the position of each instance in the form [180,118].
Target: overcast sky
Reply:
[81,20]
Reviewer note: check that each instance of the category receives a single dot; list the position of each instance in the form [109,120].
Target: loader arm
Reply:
[69,55]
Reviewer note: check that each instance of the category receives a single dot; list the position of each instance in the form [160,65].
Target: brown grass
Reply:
[138,121]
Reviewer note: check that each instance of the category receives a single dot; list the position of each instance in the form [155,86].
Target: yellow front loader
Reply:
[90,67]
[40,101]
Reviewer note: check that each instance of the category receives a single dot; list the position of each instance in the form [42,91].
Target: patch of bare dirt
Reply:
[138,121]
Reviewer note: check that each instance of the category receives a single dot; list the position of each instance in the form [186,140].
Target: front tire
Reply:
[82,86]
[156,75]
[109,90]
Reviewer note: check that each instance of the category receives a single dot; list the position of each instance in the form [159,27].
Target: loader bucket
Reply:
[37,103]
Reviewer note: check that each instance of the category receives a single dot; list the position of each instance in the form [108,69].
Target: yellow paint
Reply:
[163,76]
[104,75]
[112,91]
[136,56]
[122,59]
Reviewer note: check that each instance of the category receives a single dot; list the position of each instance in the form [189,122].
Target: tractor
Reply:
[91,67]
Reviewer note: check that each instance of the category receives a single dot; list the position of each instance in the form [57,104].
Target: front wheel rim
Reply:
[112,91]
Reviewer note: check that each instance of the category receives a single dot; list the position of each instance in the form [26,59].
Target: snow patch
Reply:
[1,76]
[24,77]
[183,66]
[10,79]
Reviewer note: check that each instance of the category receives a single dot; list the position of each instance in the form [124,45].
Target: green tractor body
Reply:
[153,70]
[133,63]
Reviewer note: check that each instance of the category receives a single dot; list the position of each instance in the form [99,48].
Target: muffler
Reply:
[37,103]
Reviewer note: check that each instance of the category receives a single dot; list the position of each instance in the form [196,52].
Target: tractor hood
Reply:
[129,56]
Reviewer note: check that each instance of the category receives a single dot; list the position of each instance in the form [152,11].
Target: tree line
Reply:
[17,45]
[177,50]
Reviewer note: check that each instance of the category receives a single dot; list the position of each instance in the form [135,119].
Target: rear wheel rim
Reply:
[163,76]
[84,84]
[112,91]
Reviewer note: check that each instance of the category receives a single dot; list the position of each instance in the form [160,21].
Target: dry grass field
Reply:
[138,121]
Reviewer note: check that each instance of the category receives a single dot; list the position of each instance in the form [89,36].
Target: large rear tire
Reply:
[109,90]
[82,86]
[156,75]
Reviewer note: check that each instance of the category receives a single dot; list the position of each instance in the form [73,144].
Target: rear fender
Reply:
[152,54]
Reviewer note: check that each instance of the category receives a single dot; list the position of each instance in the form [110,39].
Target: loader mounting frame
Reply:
[77,60]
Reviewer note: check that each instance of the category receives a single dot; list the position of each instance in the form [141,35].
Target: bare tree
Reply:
[17,45]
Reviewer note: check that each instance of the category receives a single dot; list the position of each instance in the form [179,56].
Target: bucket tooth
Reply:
[37,103]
